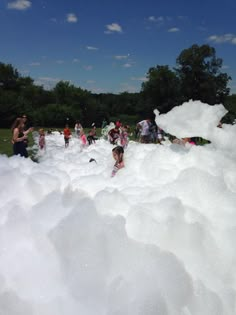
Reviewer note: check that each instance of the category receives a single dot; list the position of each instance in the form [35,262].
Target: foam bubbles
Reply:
[158,238]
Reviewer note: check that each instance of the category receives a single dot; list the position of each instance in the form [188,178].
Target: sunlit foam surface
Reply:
[158,238]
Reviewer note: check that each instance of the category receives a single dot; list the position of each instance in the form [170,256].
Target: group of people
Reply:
[118,135]
[79,133]
[145,131]
[20,140]
[148,132]
[117,152]
[91,137]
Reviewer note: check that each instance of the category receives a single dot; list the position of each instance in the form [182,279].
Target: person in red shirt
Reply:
[67,135]
[118,123]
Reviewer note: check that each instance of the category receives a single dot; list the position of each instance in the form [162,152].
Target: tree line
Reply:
[197,76]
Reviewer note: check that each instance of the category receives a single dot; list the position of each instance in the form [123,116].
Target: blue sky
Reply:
[108,46]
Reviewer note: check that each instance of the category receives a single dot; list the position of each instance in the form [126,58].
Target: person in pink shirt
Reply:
[118,153]
[192,142]
[83,138]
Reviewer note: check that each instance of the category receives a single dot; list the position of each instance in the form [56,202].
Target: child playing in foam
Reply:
[41,139]
[117,153]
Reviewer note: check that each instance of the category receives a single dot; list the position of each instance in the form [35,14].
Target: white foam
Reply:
[158,238]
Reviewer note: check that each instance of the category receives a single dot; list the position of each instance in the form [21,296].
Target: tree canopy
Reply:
[198,69]
[161,90]
[197,76]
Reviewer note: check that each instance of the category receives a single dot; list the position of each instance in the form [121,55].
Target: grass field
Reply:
[6,136]
[5,142]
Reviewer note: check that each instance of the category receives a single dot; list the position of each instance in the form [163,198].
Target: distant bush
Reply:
[126,119]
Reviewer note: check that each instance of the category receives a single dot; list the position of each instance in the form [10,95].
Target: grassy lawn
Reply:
[6,136]
[5,142]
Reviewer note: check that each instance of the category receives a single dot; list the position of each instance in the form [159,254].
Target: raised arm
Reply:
[28,131]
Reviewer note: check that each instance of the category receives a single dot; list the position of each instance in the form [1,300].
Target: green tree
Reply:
[66,93]
[161,90]
[63,91]
[8,76]
[9,109]
[230,105]
[199,71]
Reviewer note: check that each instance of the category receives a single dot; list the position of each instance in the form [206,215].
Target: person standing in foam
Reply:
[41,139]
[67,135]
[114,135]
[19,136]
[124,136]
[144,126]
[83,138]
[118,154]
[184,141]
[78,128]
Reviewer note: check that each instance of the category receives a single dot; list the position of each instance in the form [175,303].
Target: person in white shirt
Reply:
[144,127]
[78,128]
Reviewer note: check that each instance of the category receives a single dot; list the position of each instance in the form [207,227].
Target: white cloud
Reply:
[34,64]
[60,62]
[91,48]
[156,19]
[152,19]
[226,38]
[114,27]
[19,5]
[24,72]
[75,60]
[48,79]
[234,41]
[139,79]
[128,88]
[173,30]
[127,65]
[98,90]
[90,81]
[71,18]
[47,82]
[88,68]
[120,57]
